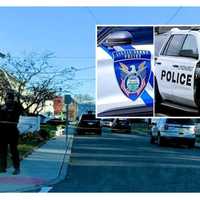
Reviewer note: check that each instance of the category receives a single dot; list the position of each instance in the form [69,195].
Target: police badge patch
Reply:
[132,69]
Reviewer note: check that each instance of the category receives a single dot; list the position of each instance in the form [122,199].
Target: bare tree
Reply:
[32,78]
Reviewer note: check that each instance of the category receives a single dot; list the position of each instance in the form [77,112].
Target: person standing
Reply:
[9,117]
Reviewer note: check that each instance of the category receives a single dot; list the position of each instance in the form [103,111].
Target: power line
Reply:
[92,15]
[57,57]
[174,15]
[63,71]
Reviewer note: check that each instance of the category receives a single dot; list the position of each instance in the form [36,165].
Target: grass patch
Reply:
[28,142]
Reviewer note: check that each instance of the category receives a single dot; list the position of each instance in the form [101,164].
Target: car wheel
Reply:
[160,141]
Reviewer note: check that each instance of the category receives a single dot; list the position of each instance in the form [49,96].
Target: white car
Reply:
[124,74]
[177,71]
[178,130]
[106,122]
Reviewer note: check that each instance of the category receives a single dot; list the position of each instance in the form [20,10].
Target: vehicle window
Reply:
[88,117]
[190,44]
[159,41]
[180,121]
[174,45]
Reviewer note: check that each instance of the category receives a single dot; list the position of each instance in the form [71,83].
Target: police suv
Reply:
[177,70]
[181,130]
[124,71]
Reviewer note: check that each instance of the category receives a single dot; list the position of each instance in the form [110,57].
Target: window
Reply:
[190,44]
[174,45]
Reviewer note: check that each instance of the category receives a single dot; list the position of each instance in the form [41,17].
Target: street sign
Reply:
[67,99]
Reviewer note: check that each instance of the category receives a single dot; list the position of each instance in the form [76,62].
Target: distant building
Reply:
[48,109]
[7,82]
[60,109]
[58,105]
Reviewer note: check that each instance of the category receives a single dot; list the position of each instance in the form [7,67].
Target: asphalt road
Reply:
[129,163]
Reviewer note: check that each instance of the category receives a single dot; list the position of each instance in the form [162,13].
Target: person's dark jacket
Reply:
[9,117]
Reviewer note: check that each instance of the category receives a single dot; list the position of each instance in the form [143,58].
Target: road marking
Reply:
[45,189]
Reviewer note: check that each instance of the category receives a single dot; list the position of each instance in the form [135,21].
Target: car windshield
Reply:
[181,121]
[123,121]
[88,117]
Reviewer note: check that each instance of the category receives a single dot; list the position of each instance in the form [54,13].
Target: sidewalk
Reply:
[46,165]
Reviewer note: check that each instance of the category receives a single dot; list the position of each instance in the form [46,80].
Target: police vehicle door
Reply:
[178,75]
[166,64]
[183,70]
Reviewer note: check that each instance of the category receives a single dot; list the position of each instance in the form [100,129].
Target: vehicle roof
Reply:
[179,31]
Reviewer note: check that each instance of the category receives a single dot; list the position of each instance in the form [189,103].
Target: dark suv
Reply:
[88,124]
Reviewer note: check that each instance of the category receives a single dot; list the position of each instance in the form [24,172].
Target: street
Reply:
[129,163]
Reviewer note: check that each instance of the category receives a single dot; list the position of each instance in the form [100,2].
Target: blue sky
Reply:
[70,32]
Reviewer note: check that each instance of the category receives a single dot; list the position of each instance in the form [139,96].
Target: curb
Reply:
[61,174]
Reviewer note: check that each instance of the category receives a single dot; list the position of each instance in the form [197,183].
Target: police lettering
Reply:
[178,78]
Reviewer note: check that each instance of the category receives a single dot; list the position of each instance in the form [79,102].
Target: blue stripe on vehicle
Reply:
[151,78]
[127,47]
[146,98]
[109,50]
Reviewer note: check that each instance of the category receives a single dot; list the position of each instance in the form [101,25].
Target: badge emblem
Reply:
[132,71]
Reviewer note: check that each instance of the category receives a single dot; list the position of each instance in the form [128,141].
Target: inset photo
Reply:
[124,60]
[177,71]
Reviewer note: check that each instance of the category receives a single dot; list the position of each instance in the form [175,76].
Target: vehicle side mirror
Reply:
[188,53]
[118,38]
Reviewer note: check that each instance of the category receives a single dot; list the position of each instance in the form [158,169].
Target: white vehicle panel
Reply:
[181,69]
[110,96]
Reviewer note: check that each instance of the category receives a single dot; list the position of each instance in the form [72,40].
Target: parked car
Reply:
[88,123]
[179,130]
[177,71]
[121,125]
[106,123]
